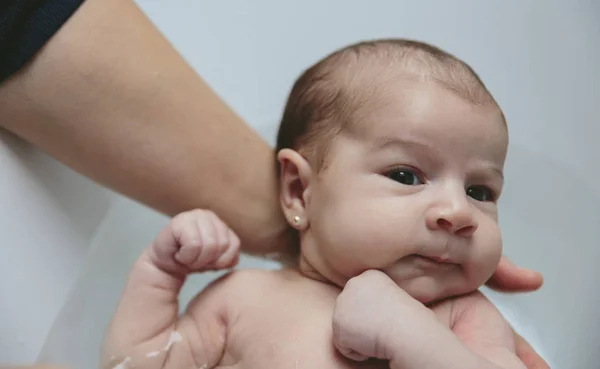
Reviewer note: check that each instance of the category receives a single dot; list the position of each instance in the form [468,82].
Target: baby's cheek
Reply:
[494,252]
[364,240]
[488,253]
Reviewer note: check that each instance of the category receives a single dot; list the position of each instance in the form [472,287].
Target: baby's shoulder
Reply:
[237,288]
[251,278]
[245,284]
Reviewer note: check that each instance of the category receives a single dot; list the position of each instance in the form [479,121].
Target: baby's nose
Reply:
[462,227]
[457,219]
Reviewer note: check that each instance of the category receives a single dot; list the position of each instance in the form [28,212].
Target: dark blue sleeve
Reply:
[25,26]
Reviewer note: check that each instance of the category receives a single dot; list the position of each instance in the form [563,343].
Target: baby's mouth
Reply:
[439,259]
[436,259]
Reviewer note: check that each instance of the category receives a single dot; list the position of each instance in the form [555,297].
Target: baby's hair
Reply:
[329,95]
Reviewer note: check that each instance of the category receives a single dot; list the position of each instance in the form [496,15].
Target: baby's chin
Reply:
[428,281]
[428,289]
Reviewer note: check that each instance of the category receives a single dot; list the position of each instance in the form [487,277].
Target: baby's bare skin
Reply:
[245,319]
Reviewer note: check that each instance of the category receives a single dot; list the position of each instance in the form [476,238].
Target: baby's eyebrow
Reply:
[424,151]
[486,170]
[499,172]
[384,142]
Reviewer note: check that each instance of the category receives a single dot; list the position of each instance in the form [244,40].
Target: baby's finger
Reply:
[191,243]
[351,354]
[163,248]
[165,243]
[208,237]
[231,256]
[222,232]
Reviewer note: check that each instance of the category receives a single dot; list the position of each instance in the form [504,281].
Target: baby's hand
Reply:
[195,241]
[372,314]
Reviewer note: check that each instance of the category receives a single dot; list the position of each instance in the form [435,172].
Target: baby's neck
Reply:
[314,272]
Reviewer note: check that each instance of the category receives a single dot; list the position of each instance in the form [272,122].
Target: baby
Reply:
[390,157]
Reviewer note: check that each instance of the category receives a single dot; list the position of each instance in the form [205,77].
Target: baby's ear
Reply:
[295,178]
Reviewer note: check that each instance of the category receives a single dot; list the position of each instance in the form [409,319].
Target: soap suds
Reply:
[173,339]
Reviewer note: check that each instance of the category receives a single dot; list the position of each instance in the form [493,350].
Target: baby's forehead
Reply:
[373,92]
[369,72]
[430,118]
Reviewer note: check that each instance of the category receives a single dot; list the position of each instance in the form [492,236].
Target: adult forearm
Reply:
[435,361]
[437,350]
[110,97]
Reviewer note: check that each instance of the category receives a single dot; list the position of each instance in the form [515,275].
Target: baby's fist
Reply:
[372,313]
[359,319]
[195,241]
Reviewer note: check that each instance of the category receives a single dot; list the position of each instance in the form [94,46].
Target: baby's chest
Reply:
[288,338]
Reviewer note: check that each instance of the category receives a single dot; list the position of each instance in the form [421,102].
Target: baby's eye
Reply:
[405,176]
[480,193]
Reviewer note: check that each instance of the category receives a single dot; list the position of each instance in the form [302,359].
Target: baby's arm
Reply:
[146,330]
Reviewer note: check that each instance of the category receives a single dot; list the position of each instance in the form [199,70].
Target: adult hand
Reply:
[360,325]
[527,355]
[510,278]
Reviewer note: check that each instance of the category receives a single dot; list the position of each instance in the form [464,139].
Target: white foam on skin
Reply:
[173,339]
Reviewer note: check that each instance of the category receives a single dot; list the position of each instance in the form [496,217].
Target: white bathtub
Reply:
[67,243]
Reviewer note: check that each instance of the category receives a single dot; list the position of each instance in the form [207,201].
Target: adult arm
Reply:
[109,97]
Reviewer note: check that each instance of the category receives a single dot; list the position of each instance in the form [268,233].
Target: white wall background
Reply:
[539,58]
[48,215]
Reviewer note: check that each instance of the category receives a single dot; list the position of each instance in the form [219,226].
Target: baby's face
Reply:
[411,191]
